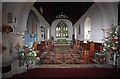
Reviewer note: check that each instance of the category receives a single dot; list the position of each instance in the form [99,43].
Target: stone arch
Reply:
[70,28]
[22,16]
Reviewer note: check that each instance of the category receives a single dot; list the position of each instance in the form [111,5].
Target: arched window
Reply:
[87,29]
[61,30]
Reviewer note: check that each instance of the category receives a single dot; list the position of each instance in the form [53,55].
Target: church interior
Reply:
[68,36]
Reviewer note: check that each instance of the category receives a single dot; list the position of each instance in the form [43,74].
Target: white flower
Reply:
[110,32]
[116,37]
[108,45]
[105,44]
[114,48]
[35,54]
[115,32]
[30,49]
[22,54]
[38,58]
[113,35]
[116,42]
[30,53]
[26,45]
[104,49]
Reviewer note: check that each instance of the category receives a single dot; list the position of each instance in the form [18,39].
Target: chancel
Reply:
[40,36]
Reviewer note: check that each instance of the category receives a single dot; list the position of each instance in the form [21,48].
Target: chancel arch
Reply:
[62,28]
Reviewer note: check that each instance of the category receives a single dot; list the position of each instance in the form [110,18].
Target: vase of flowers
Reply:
[27,56]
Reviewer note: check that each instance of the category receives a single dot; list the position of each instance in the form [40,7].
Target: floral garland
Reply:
[27,55]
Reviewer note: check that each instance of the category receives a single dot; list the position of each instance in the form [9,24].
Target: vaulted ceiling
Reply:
[74,10]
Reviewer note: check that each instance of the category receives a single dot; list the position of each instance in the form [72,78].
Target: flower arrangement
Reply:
[112,44]
[26,55]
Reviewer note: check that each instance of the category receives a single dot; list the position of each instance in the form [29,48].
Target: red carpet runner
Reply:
[68,73]
[62,55]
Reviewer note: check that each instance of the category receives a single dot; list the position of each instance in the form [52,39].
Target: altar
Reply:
[61,41]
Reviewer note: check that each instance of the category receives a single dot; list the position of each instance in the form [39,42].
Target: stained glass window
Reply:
[61,30]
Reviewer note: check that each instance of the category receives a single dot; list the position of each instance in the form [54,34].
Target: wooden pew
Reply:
[77,46]
[85,56]
[87,52]
[45,45]
[98,47]
[92,49]
[89,46]
[72,43]
[41,46]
